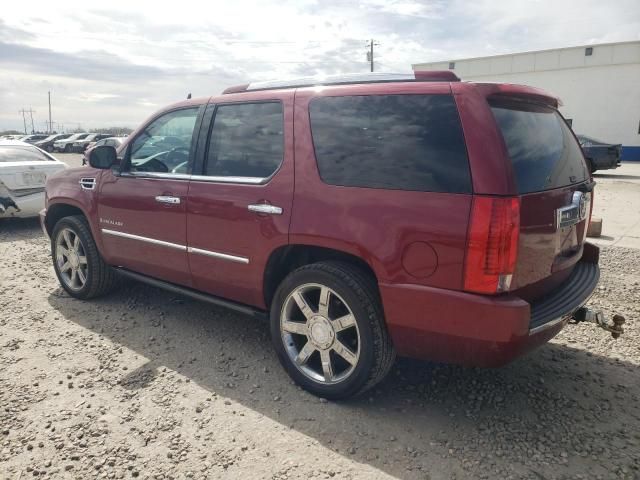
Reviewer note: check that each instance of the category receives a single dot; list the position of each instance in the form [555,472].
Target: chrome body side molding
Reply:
[197,251]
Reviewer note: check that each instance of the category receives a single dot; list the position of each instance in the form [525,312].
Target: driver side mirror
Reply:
[103,157]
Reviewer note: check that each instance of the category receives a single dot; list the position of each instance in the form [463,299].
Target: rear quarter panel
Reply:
[374,224]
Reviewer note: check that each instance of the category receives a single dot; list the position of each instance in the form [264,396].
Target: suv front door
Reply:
[240,195]
[142,208]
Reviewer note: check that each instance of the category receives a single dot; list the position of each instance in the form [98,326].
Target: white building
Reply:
[598,84]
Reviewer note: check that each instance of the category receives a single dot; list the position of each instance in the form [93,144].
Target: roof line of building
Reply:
[528,52]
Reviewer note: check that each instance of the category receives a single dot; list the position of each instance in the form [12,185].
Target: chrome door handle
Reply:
[167,199]
[265,208]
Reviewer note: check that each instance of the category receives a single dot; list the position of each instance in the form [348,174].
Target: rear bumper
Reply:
[477,330]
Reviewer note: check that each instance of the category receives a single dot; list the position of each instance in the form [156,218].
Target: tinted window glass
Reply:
[246,140]
[403,142]
[21,154]
[165,143]
[543,151]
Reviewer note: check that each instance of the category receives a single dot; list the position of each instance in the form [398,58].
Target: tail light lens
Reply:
[492,246]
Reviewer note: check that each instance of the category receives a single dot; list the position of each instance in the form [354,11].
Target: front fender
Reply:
[64,189]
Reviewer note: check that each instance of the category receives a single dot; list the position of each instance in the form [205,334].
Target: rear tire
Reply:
[80,268]
[337,347]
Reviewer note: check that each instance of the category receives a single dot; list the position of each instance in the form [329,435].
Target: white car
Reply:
[23,172]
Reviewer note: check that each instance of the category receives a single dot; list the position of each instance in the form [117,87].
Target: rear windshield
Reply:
[21,154]
[398,142]
[543,151]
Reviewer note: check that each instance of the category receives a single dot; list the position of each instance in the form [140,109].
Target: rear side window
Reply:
[247,140]
[398,142]
[543,151]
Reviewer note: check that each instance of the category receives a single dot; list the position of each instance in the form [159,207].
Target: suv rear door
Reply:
[554,185]
[520,147]
[240,194]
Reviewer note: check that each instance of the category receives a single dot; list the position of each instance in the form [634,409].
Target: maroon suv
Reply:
[366,216]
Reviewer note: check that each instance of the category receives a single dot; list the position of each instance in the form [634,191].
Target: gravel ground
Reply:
[146,384]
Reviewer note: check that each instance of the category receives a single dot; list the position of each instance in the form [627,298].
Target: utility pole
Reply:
[24,119]
[50,124]
[371,44]
[31,112]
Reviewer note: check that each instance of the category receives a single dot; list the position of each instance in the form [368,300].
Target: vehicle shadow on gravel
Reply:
[558,408]
[12,229]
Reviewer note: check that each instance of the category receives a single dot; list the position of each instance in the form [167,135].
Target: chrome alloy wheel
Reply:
[320,333]
[71,259]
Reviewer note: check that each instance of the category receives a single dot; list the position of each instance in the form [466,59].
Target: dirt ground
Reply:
[146,384]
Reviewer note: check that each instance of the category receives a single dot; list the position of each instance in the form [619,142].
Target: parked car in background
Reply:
[12,137]
[600,155]
[66,144]
[81,145]
[110,142]
[24,169]
[413,214]
[47,143]
[34,138]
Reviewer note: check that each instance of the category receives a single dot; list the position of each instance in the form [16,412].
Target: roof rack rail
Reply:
[354,78]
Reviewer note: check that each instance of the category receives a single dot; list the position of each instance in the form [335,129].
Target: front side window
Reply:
[247,140]
[396,142]
[165,144]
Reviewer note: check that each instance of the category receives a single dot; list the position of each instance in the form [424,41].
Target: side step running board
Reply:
[188,292]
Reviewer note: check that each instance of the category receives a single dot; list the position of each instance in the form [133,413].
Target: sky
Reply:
[114,63]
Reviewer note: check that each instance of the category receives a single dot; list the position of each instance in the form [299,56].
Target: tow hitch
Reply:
[585,314]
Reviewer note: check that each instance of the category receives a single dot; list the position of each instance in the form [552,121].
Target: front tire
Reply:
[328,330]
[80,268]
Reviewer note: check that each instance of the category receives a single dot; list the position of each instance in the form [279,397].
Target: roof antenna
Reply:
[189,96]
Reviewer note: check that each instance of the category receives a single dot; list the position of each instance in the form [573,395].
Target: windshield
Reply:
[543,151]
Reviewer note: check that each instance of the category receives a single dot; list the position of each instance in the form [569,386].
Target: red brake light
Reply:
[492,246]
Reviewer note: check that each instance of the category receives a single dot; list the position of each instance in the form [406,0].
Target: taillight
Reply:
[492,246]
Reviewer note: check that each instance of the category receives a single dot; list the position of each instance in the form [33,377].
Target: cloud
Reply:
[89,65]
[117,62]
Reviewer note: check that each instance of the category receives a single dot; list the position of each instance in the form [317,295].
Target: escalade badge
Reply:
[575,212]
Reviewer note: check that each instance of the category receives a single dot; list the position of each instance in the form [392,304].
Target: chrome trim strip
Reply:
[130,236]
[218,179]
[549,324]
[208,253]
[160,175]
[196,178]
[223,256]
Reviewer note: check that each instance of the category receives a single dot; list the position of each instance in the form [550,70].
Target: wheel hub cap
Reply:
[321,332]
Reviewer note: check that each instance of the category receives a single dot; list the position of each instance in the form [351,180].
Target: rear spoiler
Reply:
[519,92]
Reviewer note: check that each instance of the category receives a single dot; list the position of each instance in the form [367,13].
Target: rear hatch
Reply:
[555,192]
[25,169]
